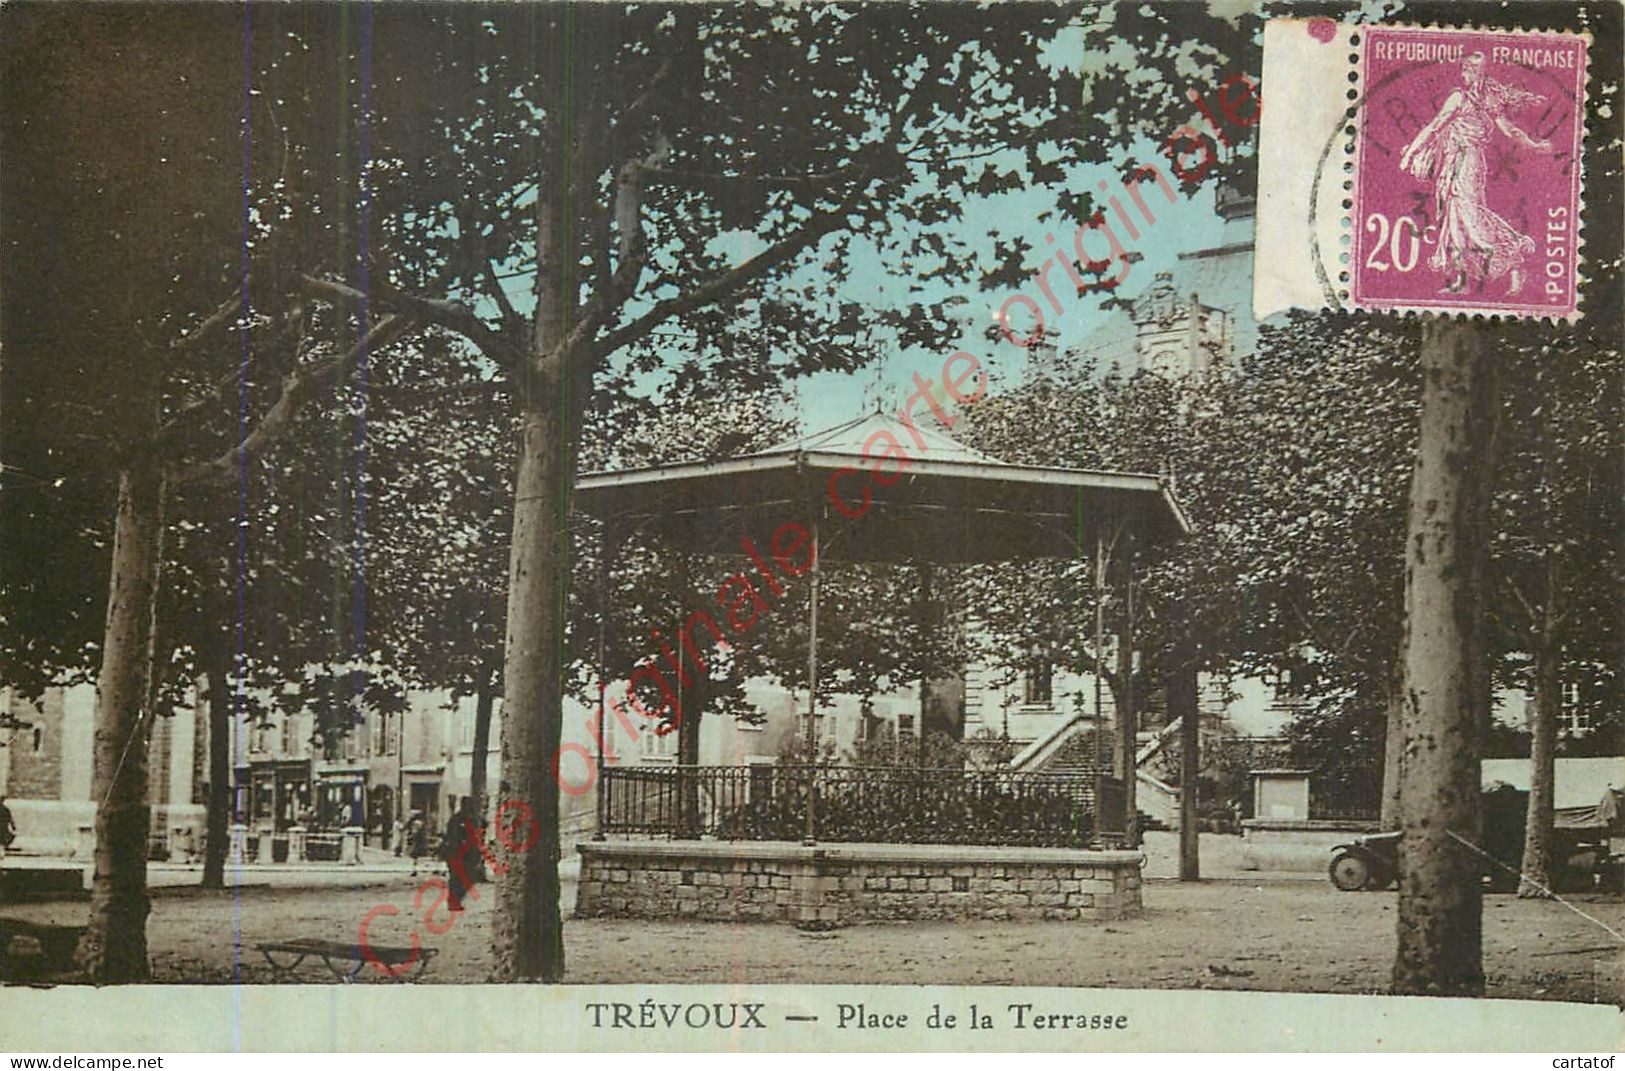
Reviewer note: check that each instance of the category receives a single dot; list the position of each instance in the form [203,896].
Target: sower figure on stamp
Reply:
[1450,152]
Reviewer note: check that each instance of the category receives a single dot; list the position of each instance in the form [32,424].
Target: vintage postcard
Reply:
[864,527]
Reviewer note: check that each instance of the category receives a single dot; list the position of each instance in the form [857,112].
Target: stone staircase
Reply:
[1078,755]
[1071,748]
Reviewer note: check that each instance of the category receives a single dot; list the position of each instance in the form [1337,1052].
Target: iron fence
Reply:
[900,805]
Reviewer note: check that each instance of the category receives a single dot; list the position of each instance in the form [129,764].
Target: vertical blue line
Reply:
[240,714]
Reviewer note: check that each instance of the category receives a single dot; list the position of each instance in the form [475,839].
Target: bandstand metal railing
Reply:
[878,804]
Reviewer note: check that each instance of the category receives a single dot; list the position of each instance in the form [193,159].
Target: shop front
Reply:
[421,787]
[279,795]
[341,799]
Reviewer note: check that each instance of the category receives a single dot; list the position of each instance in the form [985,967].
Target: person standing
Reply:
[417,839]
[459,838]
[8,828]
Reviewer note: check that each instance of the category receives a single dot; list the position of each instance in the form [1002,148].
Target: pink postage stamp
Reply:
[1467,177]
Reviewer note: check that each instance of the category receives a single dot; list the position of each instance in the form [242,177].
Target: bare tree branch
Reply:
[219,316]
[807,234]
[1517,593]
[632,255]
[510,318]
[818,225]
[298,387]
[692,178]
[633,112]
[216,392]
[1315,632]
[451,315]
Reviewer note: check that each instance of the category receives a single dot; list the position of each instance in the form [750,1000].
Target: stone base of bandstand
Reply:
[836,884]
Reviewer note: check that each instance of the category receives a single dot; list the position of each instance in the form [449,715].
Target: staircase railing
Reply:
[1038,753]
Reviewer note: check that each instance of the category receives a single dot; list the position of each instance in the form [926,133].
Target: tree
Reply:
[1555,558]
[1447,691]
[631,592]
[611,154]
[1330,404]
[636,139]
[440,434]
[1184,614]
[1447,534]
[175,297]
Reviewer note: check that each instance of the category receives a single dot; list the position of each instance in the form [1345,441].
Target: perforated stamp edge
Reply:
[1360,96]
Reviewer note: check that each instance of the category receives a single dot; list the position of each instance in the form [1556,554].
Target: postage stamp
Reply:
[1422,169]
[1467,171]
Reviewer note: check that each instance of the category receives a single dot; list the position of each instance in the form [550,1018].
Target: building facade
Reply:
[47,760]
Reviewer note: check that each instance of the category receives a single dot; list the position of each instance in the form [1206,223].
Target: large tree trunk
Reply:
[114,945]
[1128,716]
[553,380]
[216,657]
[1537,833]
[1393,747]
[484,702]
[526,934]
[694,699]
[1184,703]
[1446,672]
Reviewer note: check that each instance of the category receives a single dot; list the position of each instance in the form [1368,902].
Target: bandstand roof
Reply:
[951,504]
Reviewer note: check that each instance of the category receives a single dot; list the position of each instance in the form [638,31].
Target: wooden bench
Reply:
[345,960]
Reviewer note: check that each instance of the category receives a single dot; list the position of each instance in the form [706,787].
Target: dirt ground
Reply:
[1284,935]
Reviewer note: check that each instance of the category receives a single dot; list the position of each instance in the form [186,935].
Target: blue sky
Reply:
[829,398]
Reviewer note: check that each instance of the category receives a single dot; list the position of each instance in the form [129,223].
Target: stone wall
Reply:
[842,883]
[36,773]
[1303,846]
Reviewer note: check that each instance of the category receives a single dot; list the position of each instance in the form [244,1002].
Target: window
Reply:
[290,735]
[1037,682]
[39,739]
[380,733]
[657,746]
[1575,718]
[1289,684]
